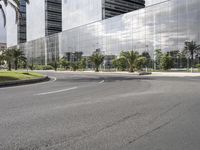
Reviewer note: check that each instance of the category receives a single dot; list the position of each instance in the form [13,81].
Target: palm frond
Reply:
[3,14]
[16,2]
[5,2]
[17,11]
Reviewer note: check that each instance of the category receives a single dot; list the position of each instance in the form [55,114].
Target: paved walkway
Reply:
[159,74]
[176,74]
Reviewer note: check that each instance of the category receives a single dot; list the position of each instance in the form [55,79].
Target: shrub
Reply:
[48,67]
[64,63]
[42,67]
[74,66]
[83,64]
[198,66]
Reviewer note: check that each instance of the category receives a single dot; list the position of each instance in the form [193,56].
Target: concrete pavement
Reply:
[102,112]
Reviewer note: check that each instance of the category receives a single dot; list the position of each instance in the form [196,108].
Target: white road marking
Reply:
[58,91]
[101,82]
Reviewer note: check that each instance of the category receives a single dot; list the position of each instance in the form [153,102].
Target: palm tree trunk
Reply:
[16,64]
[192,58]
[97,68]
[131,69]
[9,66]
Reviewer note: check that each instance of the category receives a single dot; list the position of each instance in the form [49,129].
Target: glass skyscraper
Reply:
[81,12]
[53,19]
[166,26]
[22,23]
[39,19]
[113,8]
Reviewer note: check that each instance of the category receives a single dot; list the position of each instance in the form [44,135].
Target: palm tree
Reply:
[18,55]
[191,48]
[97,60]
[130,57]
[15,4]
[7,55]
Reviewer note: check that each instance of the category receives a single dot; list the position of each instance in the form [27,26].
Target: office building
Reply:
[113,8]
[53,11]
[37,20]
[47,17]
[80,12]
[21,26]
[44,21]
[166,26]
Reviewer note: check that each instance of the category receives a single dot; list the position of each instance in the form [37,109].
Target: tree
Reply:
[120,64]
[97,59]
[83,63]
[166,62]
[15,4]
[18,55]
[191,48]
[158,56]
[130,57]
[140,62]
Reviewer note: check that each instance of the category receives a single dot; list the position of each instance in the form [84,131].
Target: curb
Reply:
[144,73]
[24,82]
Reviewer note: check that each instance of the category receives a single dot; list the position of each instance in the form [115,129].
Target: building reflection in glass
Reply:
[164,26]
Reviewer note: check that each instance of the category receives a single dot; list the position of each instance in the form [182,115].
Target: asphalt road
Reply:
[101,112]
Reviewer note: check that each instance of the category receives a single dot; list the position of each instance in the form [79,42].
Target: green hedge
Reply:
[42,67]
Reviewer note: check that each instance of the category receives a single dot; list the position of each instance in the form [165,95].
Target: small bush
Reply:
[42,67]
[48,67]
[198,66]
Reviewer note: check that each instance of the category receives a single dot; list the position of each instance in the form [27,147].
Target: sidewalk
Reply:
[175,74]
[158,74]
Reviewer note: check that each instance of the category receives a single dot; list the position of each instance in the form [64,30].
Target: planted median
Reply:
[11,78]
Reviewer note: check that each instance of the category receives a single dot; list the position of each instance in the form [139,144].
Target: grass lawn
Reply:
[14,75]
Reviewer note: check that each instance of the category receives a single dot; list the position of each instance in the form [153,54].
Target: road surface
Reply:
[102,112]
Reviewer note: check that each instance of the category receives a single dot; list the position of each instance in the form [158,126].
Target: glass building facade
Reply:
[53,16]
[80,12]
[113,8]
[22,23]
[35,20]
[164,26]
